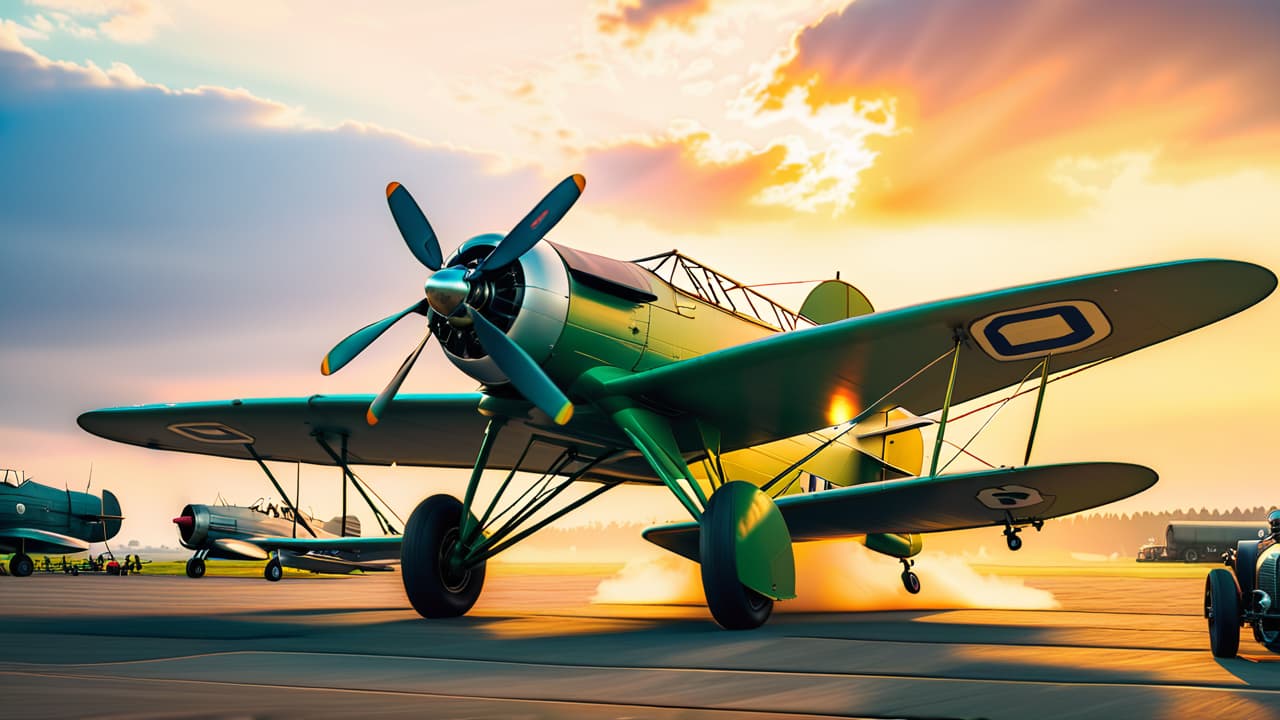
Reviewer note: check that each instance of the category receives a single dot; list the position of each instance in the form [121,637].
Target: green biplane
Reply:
[769,426]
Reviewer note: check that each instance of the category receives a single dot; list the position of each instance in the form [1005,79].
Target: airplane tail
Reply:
[890,445]
[835,300]
[334,526]
[111,514]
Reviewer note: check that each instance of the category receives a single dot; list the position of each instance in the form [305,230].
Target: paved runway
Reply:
[535,647]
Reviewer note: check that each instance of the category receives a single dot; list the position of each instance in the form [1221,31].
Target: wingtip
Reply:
[391,187]
[580,181]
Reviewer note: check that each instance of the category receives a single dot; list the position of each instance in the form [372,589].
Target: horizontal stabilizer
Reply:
[40,541]
[945,502]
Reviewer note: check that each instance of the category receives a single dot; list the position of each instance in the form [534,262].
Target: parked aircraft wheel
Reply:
[911,582]
[430,539]
[21,565]
[1014,542]
[195,567]
[733,605]
[1191,555]
[1222,611]
[273,571]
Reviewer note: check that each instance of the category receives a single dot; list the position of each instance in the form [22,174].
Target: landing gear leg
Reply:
[1011,533]
[910,580]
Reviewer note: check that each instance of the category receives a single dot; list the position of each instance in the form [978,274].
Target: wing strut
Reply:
[348,475]
[946,403]
[283,495]
[1035,420]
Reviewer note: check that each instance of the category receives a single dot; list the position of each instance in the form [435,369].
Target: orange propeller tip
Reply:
[580,181]
[324,366]
[370,418]
[391,187]
[565,414]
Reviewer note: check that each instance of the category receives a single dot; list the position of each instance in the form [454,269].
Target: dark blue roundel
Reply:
[1079,330]
[1040,330]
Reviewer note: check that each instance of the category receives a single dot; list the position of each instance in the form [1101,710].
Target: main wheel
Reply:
[1222,611]
[435,589]
[195,567]
[273,571]
[734,605]
[21,565]
[911,582]
[1191,555]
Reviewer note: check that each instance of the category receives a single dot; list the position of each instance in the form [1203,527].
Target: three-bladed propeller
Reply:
[450,290]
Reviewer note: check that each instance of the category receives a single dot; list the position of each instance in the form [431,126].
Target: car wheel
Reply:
[1222,612]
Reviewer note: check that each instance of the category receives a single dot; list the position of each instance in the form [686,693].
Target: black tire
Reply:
[911,582]
[1222,612]
[429,537]
[1190,555]
[1014,542]
[733,605]
[273,571]
[21,565]
[195,567]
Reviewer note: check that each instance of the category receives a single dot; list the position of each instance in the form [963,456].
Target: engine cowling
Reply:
[193,526]
[528,300]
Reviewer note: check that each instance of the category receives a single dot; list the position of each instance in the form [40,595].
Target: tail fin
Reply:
[334,526]
[835,300]
[111,514]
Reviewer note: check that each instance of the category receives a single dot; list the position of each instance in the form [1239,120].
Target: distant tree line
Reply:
[1105,533]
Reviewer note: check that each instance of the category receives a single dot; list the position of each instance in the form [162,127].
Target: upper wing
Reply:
[800,381]
[944,502]
[431,430]
[42,541]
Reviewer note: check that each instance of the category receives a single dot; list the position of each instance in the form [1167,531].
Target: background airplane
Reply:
[283,537]
[664,371]
[36,518]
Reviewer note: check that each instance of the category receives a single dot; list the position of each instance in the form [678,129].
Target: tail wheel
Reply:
[733,605]
[1222,611]
[21,565]
[195,567]
[435,586]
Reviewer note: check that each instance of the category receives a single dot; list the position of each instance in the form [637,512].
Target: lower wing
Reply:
[945,502]
[41,541]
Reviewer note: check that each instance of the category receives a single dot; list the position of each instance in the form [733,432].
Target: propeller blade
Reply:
[355,343]
[414,227]
[380,403]
[535,225]
[523,372]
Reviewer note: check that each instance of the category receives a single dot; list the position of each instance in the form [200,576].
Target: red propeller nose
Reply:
[185,522]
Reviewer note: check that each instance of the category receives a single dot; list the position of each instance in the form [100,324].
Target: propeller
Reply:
[450,292]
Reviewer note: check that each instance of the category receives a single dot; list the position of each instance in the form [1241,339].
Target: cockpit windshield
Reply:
[13,478]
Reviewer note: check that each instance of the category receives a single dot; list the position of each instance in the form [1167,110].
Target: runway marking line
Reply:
[649,668]
[734,712]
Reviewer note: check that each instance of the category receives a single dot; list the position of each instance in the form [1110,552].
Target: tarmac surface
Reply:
[534,647]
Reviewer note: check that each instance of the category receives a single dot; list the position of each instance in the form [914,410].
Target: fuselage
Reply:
[26,505]
[573,312]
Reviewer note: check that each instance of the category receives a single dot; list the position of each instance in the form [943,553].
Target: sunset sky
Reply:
[192,207]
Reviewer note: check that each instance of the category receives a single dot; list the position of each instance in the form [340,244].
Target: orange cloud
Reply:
[640,16]
[990,98]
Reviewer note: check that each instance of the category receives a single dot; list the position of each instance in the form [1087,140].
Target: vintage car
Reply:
[1247,597]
